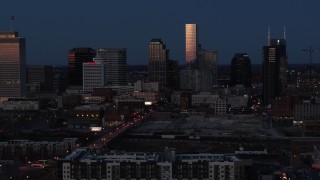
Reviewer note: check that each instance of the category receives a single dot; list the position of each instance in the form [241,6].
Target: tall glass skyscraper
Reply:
[116,59]
[207,64]
[191,43]
[76,57]
[158,59]
[12,65]
[241,70]
[275,64]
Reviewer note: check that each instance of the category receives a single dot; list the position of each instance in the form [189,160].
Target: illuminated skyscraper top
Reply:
[191,43]
[158,60]
[12,65]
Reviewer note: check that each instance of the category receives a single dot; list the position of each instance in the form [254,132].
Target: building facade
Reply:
[207,64]
[241,70]
[148,87]
[158,61]
[82,164]
[274,70]
[41,77]
[76,57]
[191,43]
[116,59]
[200,73]
[37,149]
[94,75]
[12,65]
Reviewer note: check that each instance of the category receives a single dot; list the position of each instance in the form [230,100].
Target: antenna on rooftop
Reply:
[11,20]
[284,32]
[269,36]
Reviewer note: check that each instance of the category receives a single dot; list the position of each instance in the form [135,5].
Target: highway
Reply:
[110,135]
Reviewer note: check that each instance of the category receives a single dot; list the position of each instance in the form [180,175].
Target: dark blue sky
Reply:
[52,27]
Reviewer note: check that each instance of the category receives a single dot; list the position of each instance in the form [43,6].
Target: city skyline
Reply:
[227,27]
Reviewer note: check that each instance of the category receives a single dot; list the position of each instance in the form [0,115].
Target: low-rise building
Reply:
[149,97]
[88,164]
[204,98]
[20,104]
[305,111]
[85,117]
[131,103]
[237,101]
[146,86]
[40,149]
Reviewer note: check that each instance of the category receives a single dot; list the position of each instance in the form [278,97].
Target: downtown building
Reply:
[94,75]
[116,65]
[200,73]
[275,65]
[161,69]
[39,79]
[76,57]
[241,70]
[84,163]
[12,65]
[108,69]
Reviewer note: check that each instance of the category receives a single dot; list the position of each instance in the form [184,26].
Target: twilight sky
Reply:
[52,27]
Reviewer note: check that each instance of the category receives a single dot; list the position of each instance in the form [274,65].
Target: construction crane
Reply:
[311,51]
[310,70]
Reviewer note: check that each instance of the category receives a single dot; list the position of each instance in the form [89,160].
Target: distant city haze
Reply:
[51,28]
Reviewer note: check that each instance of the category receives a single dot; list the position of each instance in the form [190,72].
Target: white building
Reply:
[94,75]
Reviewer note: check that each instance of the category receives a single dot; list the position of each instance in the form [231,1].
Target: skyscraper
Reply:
[94,75]
[191,43]
[173,74]
[158,62]
[116,59]
[41,77]
[241,70]
[207,64]
[275,64]
[76,57]
[12,65]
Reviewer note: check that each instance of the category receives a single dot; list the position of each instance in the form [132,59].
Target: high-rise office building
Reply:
[158,62]
[116,59]
[173,77]
[41,77]
[191,43]
[241,70]
[94,75]
[207,65]
[12,65]
[275,64]
[76,57]
[200,73]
